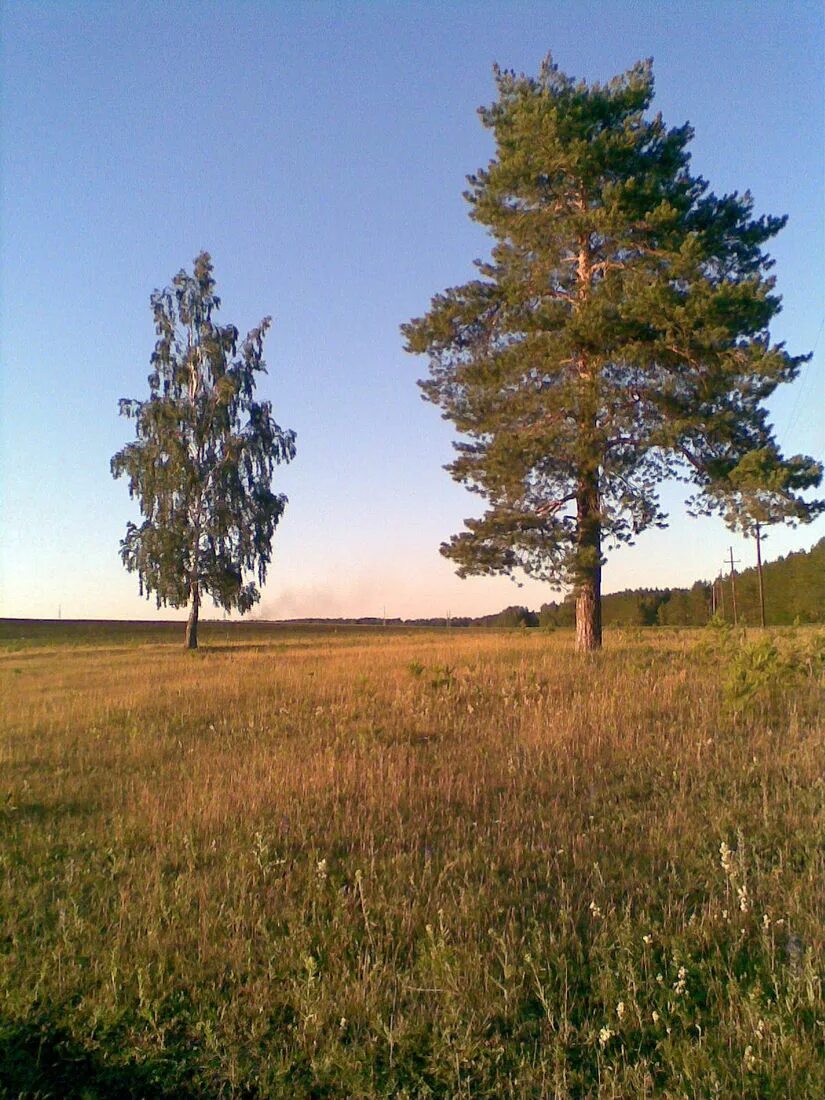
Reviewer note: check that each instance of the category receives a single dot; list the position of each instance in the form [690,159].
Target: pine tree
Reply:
[202,463]
[616,336]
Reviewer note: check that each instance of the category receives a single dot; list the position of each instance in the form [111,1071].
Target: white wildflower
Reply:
[726,858]
[766,921]
[595,910]
[321,870]
[744,900]
[647,939]
[620,1009]
[680,985]
[311,966]
[655,1017]
[605,1035]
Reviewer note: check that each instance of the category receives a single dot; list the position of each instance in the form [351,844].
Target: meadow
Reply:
[416,863]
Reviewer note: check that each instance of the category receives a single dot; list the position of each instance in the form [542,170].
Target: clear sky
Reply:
[319,150]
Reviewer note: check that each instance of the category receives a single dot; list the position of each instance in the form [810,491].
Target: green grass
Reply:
[413,865]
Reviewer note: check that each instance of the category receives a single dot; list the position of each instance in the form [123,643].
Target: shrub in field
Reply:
[760,672]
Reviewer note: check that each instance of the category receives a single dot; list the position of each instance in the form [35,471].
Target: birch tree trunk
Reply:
[192,624]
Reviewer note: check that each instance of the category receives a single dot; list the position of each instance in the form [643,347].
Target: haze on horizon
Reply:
[319,152]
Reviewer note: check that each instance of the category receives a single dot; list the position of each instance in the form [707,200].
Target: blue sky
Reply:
[319,151]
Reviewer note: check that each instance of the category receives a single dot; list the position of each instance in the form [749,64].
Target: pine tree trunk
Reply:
[589,566]
[589,613]
[588,503]
[192,624]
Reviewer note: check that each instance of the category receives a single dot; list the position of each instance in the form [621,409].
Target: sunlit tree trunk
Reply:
[192,624]
[588,566]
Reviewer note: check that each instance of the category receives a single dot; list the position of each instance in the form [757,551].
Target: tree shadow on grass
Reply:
[206,648]
[41,1061]
[42,812]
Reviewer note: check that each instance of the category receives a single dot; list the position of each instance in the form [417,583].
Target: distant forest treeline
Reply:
[794,592]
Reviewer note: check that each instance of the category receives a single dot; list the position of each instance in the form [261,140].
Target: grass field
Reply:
[411,864]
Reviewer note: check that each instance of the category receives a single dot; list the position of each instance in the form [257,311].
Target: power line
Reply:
[807,372]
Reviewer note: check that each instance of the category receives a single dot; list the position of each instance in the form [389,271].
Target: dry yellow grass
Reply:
[414,865]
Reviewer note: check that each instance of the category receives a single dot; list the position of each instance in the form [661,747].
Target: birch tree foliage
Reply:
[617,335]
[202,462]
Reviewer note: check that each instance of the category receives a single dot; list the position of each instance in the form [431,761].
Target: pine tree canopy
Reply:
[618,335]
[201,466]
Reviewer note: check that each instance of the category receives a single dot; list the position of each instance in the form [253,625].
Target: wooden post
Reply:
[733,588]
[759,572]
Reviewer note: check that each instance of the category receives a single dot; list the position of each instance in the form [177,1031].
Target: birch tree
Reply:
[202,462]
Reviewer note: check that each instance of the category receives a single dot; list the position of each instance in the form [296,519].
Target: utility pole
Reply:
[759,573]
[733,586]
[713,599]
[721,584]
